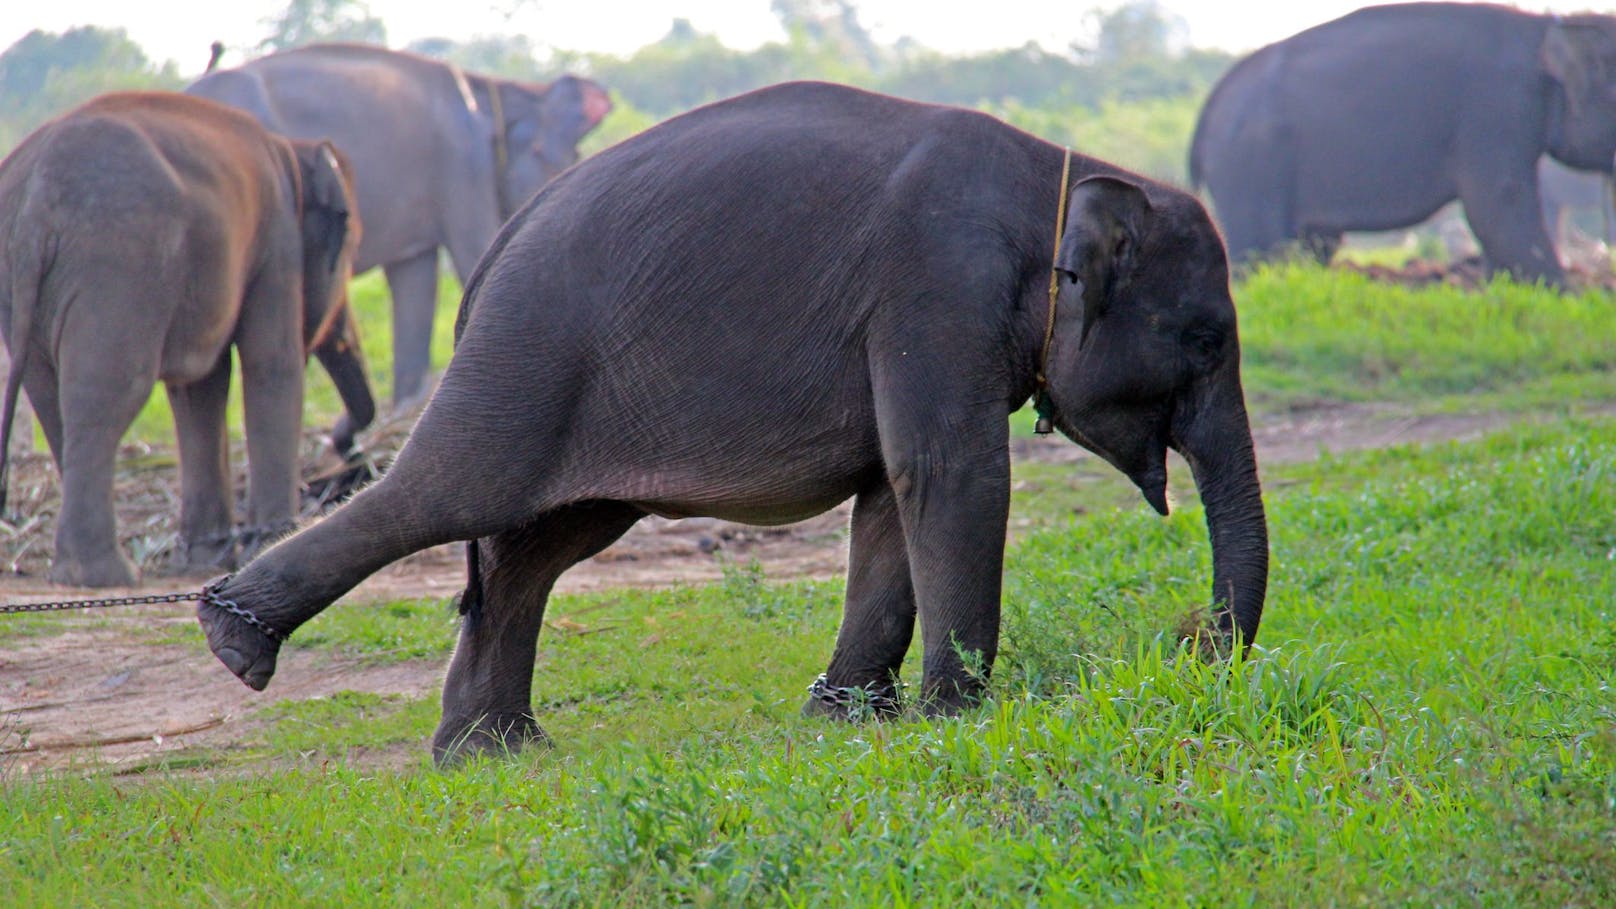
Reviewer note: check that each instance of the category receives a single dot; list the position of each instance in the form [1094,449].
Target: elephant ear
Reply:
[328,214]
[1574,55]
[1105,219]
[572,107]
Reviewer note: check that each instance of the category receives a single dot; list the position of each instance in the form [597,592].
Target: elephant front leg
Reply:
[414,286]
[272,402]
[878,619]
[206,541]
[954,511]
[949,467]
[1505,214]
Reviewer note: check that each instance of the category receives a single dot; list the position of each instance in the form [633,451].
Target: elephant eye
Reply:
[1205,341]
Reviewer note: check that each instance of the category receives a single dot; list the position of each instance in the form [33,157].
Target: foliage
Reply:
[306,21]
[44,74]
[1429,720]
[1311,334]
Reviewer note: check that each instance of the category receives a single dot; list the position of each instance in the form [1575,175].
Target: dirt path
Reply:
[97,693]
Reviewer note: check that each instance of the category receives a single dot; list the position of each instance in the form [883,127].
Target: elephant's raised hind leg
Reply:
[878,620]
[487,697]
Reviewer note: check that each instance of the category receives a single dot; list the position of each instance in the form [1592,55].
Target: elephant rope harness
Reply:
[1040,397]
[208,594]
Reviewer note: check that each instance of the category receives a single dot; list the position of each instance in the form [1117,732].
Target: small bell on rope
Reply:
[1046,413]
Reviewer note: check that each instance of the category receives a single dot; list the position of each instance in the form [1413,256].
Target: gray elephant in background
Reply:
[142,237]
[1377,119]
[443,158]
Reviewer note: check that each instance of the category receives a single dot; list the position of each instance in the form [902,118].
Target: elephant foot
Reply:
[246,649]
[205,556]
[496,735]
[114,570]
[950,698]
[854,703]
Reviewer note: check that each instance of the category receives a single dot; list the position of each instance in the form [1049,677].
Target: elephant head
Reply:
[1145,357]
[331,233]
[1579,55]
[543,125]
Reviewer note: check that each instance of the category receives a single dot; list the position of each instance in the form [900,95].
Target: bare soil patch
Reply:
[1471,273]
[101,693]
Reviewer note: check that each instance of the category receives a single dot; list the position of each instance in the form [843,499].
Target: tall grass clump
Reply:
[1309,334]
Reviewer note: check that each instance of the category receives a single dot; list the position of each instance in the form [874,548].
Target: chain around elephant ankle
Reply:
[210,595]
[854,698]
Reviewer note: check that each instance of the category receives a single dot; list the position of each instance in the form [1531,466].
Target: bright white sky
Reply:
[181,30]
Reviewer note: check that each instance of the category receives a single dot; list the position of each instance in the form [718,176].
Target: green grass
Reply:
[1312,335]
[1430,720]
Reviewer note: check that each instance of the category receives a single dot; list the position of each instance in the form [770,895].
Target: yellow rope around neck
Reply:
[1040,397]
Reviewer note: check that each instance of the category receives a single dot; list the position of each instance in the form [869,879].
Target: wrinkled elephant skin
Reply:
[145,236]
[435,166]
[759,309]
[1377,119]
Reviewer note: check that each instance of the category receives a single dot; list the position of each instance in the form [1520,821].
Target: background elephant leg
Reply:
[414,286]
[1506,217]
[99,398]
[1322,245]
[487,696]
[205,494]
[878,619]
[39,380]
[272,364]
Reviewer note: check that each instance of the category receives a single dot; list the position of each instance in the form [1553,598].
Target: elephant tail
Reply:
[27,274]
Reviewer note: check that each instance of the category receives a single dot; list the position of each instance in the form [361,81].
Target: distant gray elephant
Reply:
[1375,120]
[443,157]
[144,236]
[761,308]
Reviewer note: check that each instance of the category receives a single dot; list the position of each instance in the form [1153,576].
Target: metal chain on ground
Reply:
[208,594]
[140,600]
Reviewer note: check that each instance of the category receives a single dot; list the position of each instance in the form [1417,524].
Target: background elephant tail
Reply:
[28,267]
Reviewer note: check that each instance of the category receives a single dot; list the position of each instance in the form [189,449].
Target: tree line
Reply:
[1129,95]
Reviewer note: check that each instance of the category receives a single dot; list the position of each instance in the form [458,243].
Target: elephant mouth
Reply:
[1148,470]
[1152,483]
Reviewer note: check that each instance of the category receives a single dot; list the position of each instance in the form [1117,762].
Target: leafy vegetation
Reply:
[1429,720]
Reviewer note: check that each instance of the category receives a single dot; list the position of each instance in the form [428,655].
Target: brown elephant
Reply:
[142,237]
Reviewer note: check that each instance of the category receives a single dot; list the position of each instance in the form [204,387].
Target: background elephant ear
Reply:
[572,107]
[1574,55]
[328,207]
[1105,219]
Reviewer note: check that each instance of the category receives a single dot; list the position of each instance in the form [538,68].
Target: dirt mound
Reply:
[1471,273]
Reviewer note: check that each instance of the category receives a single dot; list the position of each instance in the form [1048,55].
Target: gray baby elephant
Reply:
[757,310]
[144,236]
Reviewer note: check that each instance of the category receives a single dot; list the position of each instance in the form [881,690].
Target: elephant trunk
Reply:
[1220,452]
[339,352]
